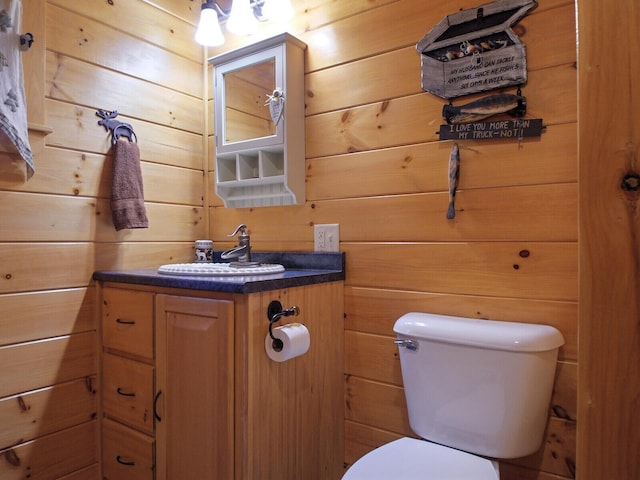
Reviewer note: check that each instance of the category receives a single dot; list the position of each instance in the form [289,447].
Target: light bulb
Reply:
[241,20]
[209,33]
[278,10]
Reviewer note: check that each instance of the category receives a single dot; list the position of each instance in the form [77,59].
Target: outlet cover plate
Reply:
[326,237]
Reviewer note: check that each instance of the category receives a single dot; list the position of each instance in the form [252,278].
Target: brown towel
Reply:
[127,195]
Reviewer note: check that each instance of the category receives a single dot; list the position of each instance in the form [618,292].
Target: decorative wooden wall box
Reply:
[475,50]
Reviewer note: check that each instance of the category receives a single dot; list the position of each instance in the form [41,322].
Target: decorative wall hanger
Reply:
[475,50]
[454,175]
[464,121]
[514,129]
[275,101]
[485,107]
[115,127]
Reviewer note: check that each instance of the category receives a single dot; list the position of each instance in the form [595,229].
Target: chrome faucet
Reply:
[243,251]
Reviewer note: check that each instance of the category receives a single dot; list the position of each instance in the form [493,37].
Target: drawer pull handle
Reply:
[122,462]
[155,406]
[125,394]
[125,322]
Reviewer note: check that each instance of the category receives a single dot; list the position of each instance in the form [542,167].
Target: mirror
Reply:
[246,102]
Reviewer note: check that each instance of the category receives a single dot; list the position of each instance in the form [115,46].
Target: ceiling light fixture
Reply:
[278,10]
[241,20]
[209,32]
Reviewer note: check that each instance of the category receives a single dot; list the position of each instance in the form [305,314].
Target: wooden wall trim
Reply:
[609,149]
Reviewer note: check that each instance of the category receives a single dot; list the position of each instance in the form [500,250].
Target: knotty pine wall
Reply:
[139,58]
[609,367]
[375,166]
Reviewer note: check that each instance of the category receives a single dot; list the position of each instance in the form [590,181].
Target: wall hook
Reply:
[26,39]
[115,127]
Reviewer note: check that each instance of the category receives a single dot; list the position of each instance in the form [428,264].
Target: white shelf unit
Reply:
[269,170]
[255,178]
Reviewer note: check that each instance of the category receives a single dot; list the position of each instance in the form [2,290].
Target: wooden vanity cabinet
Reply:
[170,405]
[207,401]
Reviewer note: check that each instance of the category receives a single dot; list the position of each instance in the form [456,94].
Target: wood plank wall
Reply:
[375,166]
[608,144]
[137,57]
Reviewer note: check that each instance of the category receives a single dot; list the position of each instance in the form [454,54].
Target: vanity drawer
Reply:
[126,453]
[128,391]
[127,321]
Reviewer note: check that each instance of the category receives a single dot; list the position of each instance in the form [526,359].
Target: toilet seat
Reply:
[413,459]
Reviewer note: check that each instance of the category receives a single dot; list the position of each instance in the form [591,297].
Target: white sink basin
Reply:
[219,269]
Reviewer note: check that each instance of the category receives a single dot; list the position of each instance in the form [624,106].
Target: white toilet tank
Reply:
[481,386]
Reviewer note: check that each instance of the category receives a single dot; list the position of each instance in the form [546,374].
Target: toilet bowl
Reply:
[476,391]
[413,459]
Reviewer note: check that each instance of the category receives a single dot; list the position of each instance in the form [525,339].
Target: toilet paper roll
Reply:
[295,339]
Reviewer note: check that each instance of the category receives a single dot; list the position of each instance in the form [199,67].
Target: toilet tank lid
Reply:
[493,334]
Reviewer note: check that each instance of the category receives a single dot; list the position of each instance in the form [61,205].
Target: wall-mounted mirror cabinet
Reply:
[259,123]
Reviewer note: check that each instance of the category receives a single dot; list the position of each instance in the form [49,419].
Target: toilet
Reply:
[476,391]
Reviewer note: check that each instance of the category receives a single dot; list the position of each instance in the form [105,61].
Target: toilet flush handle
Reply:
[406,343]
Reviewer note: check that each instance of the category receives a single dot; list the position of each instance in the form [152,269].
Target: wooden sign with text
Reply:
[475,50]
[493,129]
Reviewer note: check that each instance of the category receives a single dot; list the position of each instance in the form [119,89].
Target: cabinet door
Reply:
[195,381]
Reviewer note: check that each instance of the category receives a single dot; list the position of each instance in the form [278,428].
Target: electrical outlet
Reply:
[326,238]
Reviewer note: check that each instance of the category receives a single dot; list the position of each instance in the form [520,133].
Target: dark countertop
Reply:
[301,268]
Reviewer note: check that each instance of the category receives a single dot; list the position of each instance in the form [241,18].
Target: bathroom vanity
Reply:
[188,390]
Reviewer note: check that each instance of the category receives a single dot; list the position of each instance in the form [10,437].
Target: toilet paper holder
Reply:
[275,312]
